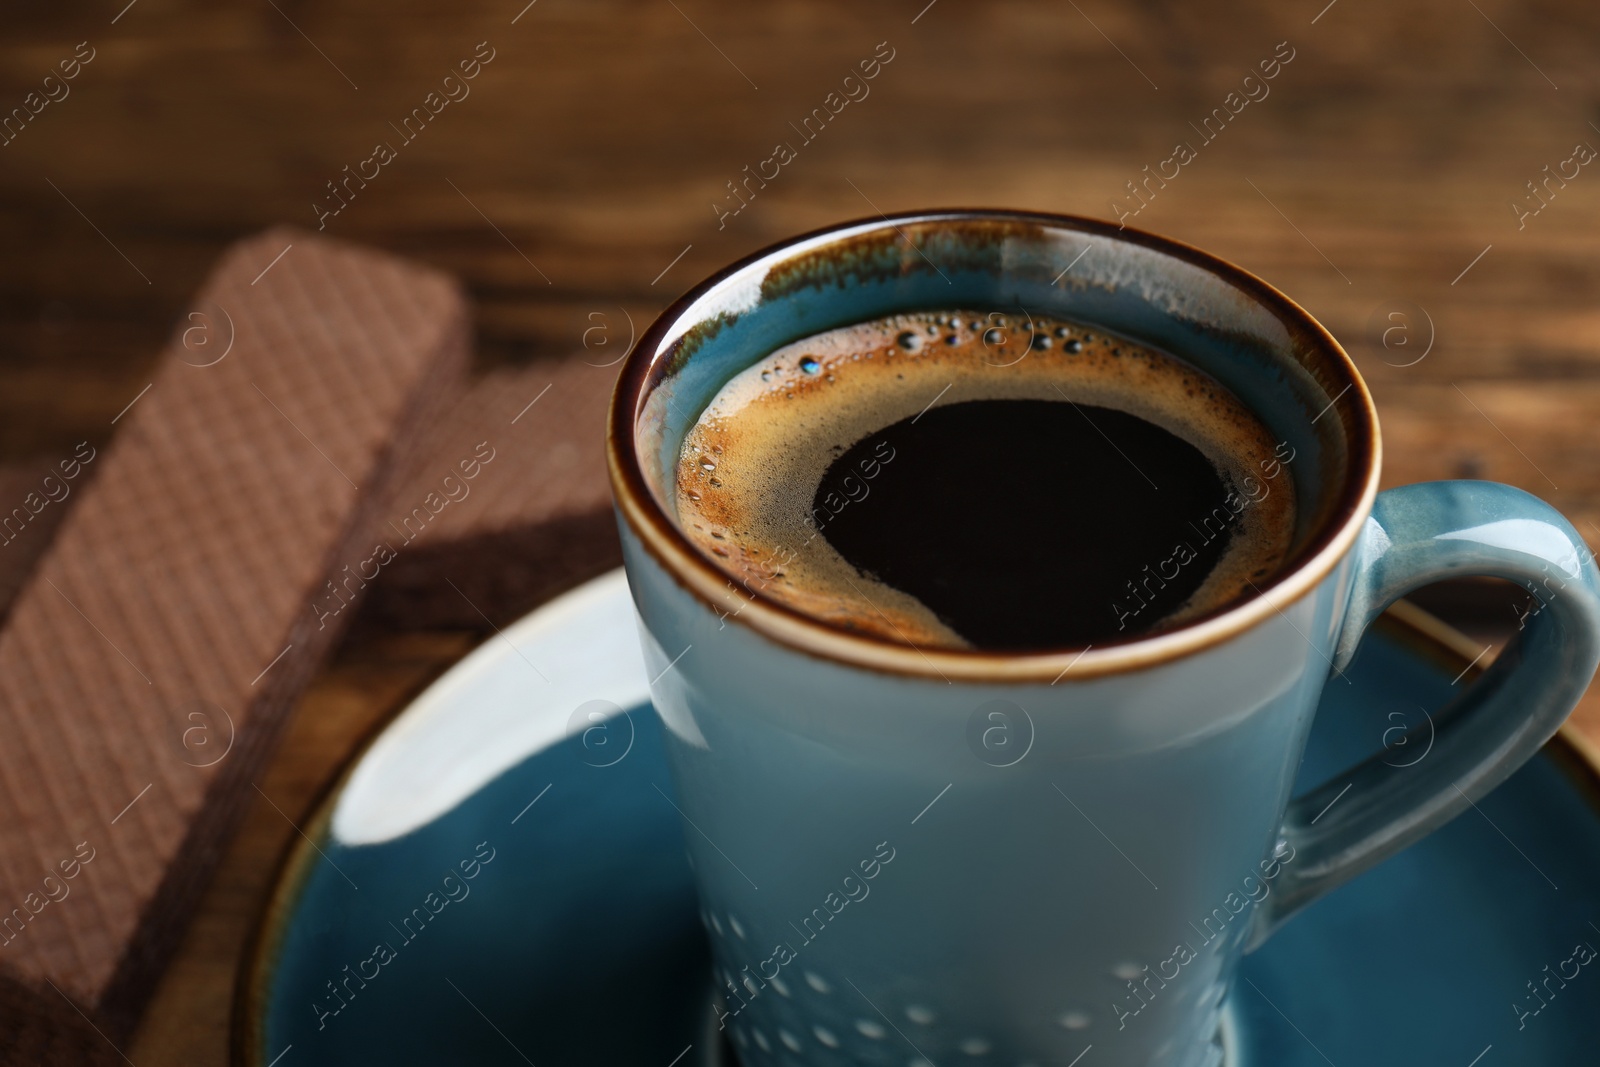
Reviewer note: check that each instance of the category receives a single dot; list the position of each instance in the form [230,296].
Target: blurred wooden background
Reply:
[573,188]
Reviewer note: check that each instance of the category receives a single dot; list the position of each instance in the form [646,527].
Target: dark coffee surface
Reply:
[971,479]
[1030,524]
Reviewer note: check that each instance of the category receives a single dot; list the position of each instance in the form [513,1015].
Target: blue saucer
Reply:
[500,878]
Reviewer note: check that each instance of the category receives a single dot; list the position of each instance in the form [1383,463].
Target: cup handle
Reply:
[1419,534]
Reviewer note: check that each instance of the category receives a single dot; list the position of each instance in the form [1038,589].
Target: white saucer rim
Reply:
[511,697]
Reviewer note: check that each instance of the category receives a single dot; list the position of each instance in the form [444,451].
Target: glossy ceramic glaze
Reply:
[1041,852]
[582,943]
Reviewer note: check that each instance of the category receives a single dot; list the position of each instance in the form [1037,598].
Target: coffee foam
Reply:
[750,468]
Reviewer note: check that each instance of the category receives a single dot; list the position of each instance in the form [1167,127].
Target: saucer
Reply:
[500,877]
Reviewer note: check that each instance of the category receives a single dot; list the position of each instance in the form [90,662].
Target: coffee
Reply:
[967,480]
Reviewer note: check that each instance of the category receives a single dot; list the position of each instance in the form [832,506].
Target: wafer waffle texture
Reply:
[156,646]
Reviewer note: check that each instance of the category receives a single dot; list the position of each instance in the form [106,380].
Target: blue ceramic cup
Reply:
[944,856]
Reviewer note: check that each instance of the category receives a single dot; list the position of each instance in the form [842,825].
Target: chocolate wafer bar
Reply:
[507,504]
[152,657]
[35,495]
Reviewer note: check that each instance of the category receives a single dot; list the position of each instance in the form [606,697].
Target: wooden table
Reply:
[577,186]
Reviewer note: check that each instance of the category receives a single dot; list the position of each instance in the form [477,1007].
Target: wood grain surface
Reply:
[577,186]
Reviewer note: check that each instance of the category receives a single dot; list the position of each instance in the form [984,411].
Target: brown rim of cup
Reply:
[659,535]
